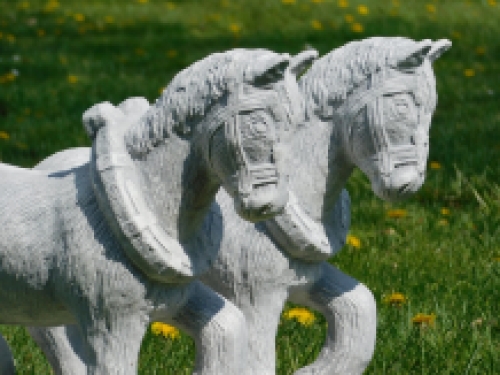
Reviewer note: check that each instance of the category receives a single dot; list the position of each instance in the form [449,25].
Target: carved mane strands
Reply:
[331,78]
[189,96]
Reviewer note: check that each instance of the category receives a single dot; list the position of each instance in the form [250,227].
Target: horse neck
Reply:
[317,169]
[179,187]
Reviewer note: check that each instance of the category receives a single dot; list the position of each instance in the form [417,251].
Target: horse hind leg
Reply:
[7,366]
[63,347]
[350,311]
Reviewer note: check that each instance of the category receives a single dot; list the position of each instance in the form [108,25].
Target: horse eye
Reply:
[259,127]
[402,107]
[259,124]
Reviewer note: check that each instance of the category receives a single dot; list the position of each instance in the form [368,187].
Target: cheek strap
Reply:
[387,156]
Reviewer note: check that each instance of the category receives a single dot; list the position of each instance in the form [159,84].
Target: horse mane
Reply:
[189,96]
[331,78]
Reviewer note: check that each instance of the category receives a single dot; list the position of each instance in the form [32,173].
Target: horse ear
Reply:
[268,71]
[438,48]
[299,63]
[414,57]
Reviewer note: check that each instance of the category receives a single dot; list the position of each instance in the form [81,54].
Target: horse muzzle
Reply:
[262,201]
[402,182]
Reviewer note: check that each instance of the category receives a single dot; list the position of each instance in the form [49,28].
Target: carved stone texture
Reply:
[384,132]
[110,239]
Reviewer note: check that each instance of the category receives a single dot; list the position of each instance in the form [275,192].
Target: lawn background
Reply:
[442,251]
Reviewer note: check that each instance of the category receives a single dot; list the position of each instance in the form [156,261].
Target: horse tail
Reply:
[106,114]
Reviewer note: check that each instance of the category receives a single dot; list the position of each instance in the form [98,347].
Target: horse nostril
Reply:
[265,209]
[403,188]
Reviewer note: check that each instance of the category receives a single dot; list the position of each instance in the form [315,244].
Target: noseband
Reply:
[387,155]
[228,115]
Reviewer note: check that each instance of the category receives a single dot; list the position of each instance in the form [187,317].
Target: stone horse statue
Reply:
[367,104]
[112,244]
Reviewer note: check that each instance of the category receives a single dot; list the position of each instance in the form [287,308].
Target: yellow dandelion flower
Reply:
[170,5]
[343,3]
[434,165]
[109,19]
[287,2]
[24,5]
[396,213]
[469,72]
[349,18]
[9,77]
[363,10]
[4,135]
[302,315]
[492,3]
[21,146]
[424,320]
[172,53]
[481,50]
[353,241]
[431,8]
[235,28]
[142,1]
[316,25]
[393,12]
[443,222]
[317,1]
[395,299]
[357,27]
[78,17]
[51,6]
[10,38]
[395,3]
[72,79]
[40,32]
[445,211]
[496,259]
[165,330]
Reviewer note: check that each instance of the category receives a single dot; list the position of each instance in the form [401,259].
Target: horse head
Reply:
[388,137]
[241,140]
[382,94]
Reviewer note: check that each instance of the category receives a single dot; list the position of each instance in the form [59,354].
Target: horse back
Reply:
[27,208]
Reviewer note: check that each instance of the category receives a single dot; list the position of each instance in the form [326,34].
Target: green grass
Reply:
[448,265]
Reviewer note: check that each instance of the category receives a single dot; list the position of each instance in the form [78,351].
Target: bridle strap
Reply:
[227,116]
[370,96]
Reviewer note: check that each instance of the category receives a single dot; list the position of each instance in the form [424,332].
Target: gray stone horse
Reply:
[113,244]
[368,104]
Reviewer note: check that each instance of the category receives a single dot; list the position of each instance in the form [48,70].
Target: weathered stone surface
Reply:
[368,105]
[111,239]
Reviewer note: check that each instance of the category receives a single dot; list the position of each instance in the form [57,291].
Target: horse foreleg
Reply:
[6,360]
[63,347]
[112,343]
[218,329]
[350,311]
